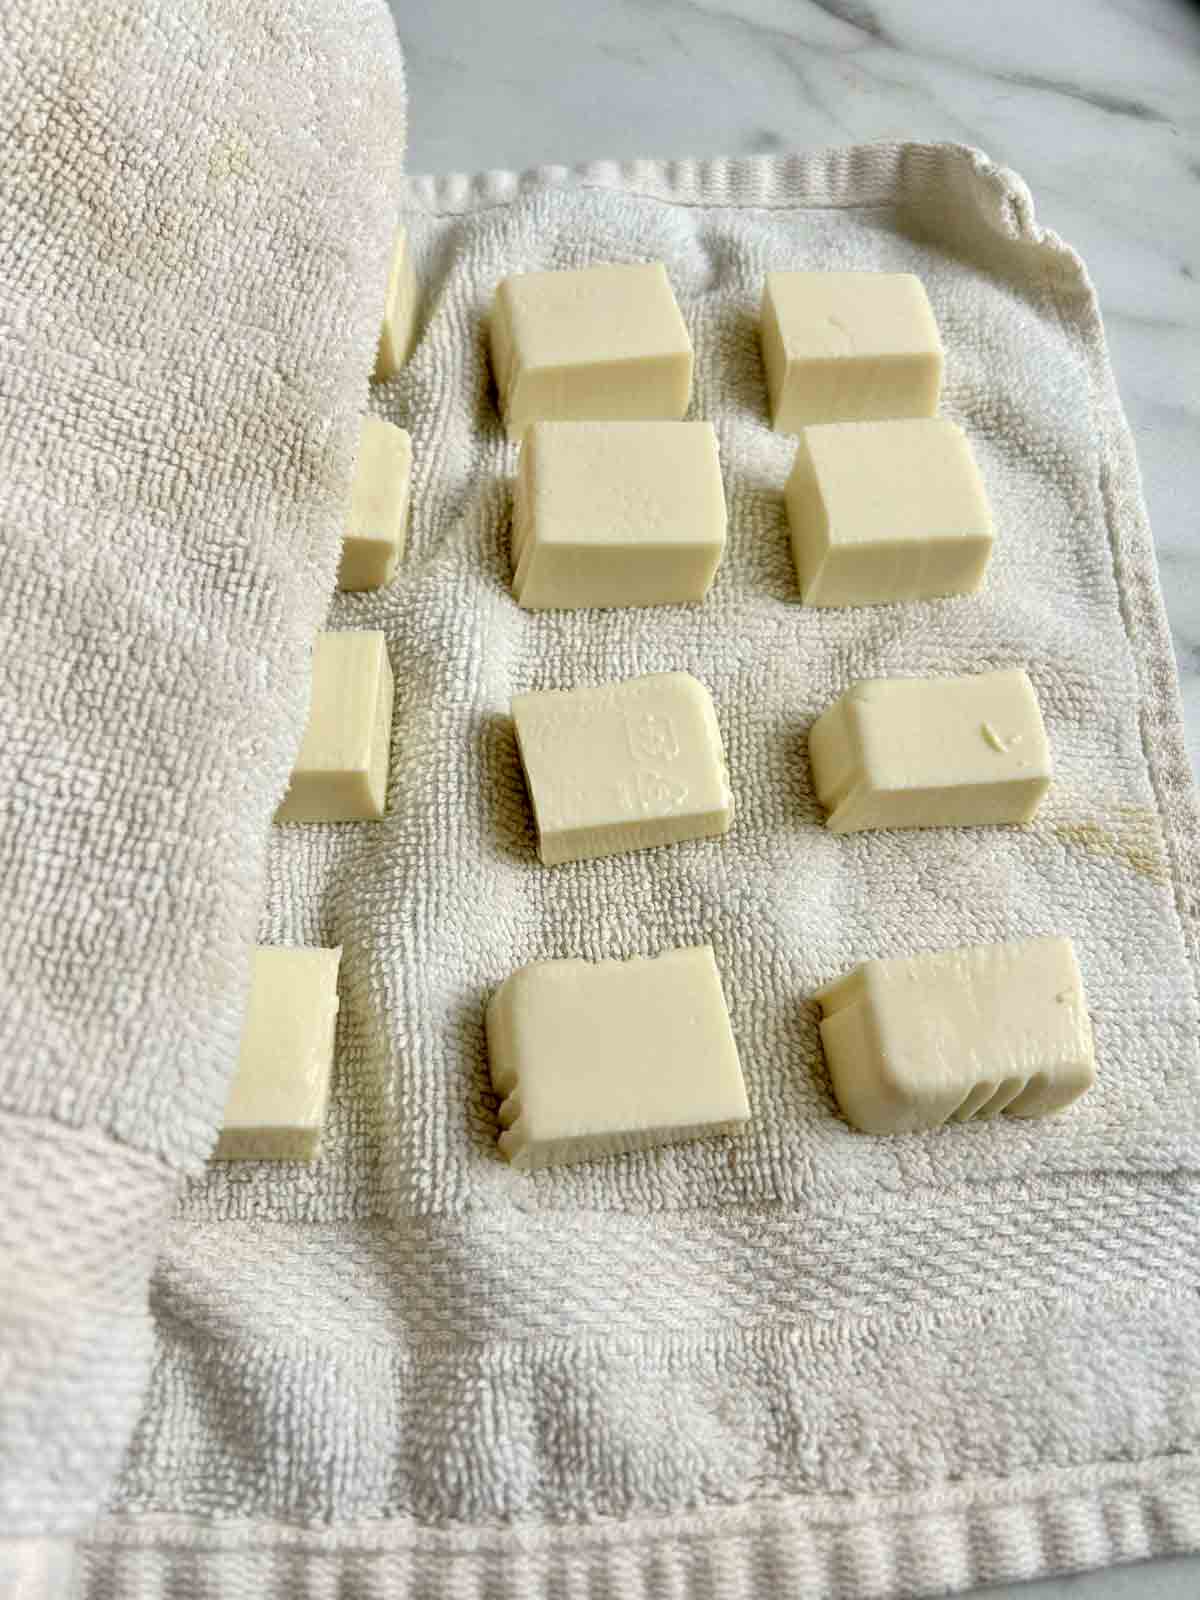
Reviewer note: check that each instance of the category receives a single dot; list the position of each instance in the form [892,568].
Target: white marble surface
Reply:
[1096,103]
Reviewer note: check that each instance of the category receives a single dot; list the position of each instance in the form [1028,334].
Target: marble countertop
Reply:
[1096,103]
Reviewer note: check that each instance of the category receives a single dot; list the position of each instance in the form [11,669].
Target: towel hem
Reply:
[894,1546]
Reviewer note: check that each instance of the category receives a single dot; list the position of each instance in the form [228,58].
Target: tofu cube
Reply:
[342,770]
[604,342]
[849,347]
[276,1105]
[399,312]
[623,766]
[912,1043]
[617,514]
[887,511]
[597,1058]
[379,494]
[931,753]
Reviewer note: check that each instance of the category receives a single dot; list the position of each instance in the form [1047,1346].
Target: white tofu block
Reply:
[623,766]
[378,519]
[931,753]
[617,514]
[594,1058]
[399,312]
[959,1034]
[342,770]
[604,342]
[886,511]
[849,347]
[276,1105]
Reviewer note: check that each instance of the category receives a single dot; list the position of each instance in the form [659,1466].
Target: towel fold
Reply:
[196,207]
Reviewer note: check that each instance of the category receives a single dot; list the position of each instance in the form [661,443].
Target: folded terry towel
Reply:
[805,1362]
[196,204]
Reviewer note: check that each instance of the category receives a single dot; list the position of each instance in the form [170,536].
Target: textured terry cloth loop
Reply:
[806,1361]
[197,203]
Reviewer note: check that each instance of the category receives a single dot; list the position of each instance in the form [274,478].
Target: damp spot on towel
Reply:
[1135,841]
[228,159]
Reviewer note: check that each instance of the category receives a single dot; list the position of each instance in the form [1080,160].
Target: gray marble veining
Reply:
[1096,103]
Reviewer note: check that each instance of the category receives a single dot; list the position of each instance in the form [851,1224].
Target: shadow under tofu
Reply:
[480,1102]
[760,544]
[807,809]
[509,809]
[742,377]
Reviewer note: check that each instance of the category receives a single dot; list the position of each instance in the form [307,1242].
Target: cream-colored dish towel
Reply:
[806,1361]
[196,205]
[801,1362]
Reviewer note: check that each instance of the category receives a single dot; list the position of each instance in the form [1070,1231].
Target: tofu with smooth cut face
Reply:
[887,511]
[276,1105]
[848,347]
[622,766]
[596,1058]
[342,770]
[374,539]
[931,753]
[959,1034]
[604,343]
[399,312]
[617,514]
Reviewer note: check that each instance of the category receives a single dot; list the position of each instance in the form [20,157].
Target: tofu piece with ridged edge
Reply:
[341,771]
[617,514]
[596,1058]
[399,312]
[887,511]
[378,518]
[604,343]
[622,766]
[849,347]
[276,1105]
[931,753]
[913,1042]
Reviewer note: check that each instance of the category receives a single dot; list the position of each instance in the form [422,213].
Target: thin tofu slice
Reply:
[341,772]
[399,312]
[276,1105]
[379,496]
